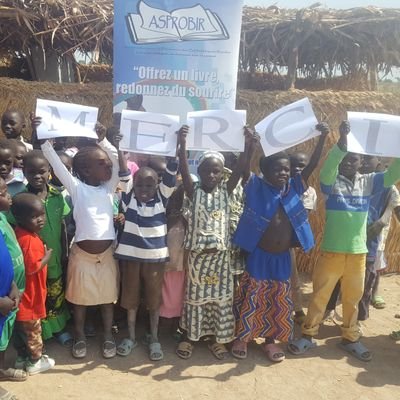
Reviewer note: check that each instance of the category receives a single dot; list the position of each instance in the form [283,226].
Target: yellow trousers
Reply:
[350,269]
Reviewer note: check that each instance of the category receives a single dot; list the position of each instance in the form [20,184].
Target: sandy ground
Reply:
[323,373]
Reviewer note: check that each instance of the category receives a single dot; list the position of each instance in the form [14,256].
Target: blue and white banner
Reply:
[176,56]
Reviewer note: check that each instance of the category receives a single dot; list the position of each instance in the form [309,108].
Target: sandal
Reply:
[274,352]
[13,375]
[378,302]
[219,351]
[65,339]
[79,349]
[358,350]
[239,349]
[126,346]
[395,335]
[300,346]
[184,350]
[109,349]
[155,351]
[4,395]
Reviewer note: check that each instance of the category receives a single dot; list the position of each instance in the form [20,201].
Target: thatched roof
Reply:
[352,40]
[62,25]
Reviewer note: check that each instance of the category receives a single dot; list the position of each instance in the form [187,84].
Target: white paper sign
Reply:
[287,127]
[149,133]
[65,119]
[374,134]
[220,130]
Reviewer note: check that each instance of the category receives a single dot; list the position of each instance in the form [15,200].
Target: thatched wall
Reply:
[328,105]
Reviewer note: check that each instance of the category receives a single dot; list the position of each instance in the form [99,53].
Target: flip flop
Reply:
[155,351]
[395,335]
[219,351]
[126,346]
[13,375]
[109,349]
[378,302]
[274,352]
[239,349]
[300,346]
[4,395]
[184,350]
[358,350]
[65,339]
[79,349]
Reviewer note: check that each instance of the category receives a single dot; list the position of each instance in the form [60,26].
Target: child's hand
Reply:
[323,127]
[47,255]
[117,138]
[35,121]
[6,305]
[119,219]
[182,133]
[344,128]
[15,295]
[100,130]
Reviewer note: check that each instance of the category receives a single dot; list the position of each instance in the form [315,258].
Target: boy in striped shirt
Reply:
[142,249]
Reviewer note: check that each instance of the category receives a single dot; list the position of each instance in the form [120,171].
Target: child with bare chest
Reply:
[273,221]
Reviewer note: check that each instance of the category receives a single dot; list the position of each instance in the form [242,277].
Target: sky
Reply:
[327,3]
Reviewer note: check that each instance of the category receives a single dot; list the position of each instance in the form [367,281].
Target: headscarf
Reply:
[211,154]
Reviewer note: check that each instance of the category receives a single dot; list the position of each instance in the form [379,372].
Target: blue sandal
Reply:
[300,346]
[358,350]
[65,339]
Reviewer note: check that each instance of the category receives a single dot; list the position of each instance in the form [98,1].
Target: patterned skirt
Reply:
[208,302]
[262,309]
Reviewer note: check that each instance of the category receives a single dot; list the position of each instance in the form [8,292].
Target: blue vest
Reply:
[261,204]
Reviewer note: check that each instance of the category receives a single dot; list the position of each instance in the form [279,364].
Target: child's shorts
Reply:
[92,278]
[131,274]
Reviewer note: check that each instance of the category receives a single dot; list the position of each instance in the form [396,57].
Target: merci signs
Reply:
[65,119]
[152,133]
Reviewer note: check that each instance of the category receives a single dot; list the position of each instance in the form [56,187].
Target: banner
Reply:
[65,119]
[219,130]
[176,56]
[149,133]
[374,134]
[287,127]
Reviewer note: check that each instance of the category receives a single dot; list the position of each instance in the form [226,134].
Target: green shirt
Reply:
[15,252]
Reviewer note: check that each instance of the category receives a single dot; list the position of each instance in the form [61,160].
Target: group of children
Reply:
[215,250]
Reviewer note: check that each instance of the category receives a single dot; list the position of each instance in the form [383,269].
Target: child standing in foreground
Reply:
[142,249]
[92,276]
[344,249]
[37,172]
[273,221]
[30,216]
[8,235]
[207,309]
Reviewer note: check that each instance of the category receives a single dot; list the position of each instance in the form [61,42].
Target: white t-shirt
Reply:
[93,205]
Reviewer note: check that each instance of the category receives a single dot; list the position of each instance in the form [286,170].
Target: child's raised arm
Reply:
[184,165]
[167,185]
[242,167]
[316,155]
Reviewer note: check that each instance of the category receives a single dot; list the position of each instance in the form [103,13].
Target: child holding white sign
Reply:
[348,195]
[207,309]
[92,276]
[273,221]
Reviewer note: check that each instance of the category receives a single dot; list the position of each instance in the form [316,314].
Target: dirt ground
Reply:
[323,373]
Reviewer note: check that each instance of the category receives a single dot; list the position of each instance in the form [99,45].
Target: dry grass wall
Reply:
[329,106]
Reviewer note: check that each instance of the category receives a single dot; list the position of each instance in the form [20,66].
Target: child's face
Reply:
[19,154]
[278,173]
[36,220]
[211,171]
[145,186]
[99,167]
[350,164]
[5,198]
[37,172]
[12,124]
[369,164]
[6,162]
[298,161]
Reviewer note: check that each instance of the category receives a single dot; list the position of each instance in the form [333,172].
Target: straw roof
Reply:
[353,41]
[62,25]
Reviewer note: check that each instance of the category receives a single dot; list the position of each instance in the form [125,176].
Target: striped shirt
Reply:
[144,237]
